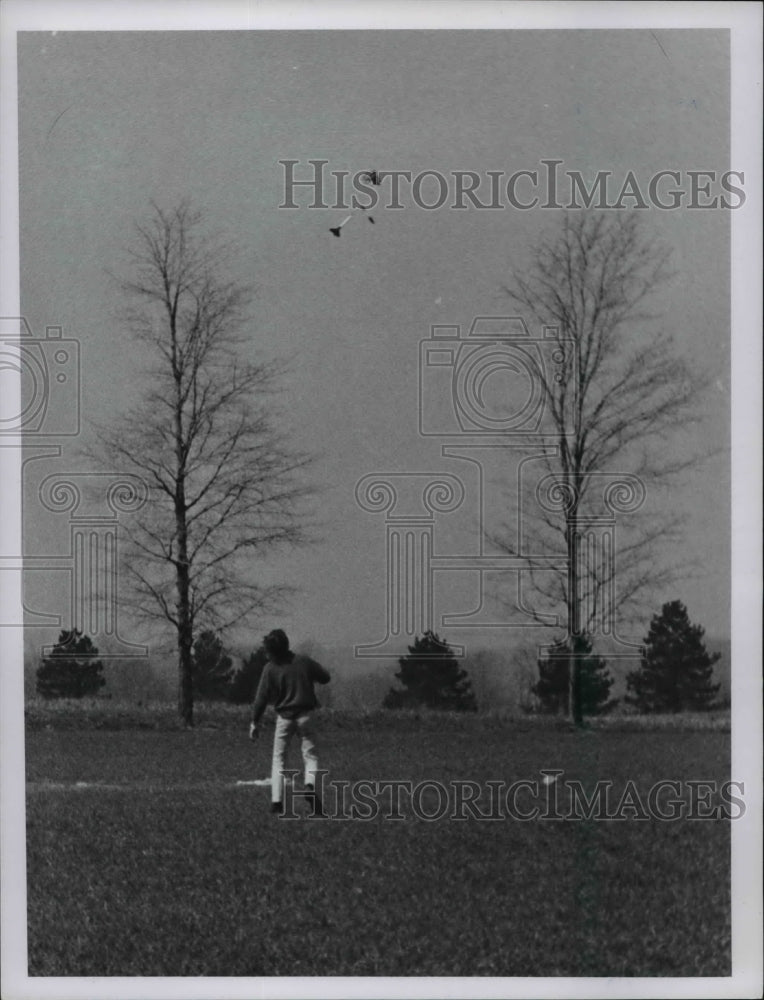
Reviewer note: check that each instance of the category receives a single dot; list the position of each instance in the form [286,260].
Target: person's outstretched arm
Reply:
[319,674]
[261,700]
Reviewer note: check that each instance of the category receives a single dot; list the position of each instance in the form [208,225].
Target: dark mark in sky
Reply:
[57,119]
[659,45]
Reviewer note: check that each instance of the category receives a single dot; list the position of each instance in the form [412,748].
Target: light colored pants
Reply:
[285,730]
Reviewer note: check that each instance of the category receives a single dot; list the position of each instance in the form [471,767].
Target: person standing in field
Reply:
[287,683]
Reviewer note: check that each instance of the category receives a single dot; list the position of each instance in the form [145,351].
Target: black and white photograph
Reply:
[380,419]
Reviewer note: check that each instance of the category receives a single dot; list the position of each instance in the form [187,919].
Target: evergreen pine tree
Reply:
[71,670]
[676,670]
[247,677]
[553,687]
[431,678]
[211,667]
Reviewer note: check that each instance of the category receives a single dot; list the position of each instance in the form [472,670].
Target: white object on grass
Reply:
[260,782]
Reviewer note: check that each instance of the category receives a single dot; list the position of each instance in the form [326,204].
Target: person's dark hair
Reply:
[277,646]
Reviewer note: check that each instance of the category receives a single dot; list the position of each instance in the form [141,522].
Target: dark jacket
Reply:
[289,687]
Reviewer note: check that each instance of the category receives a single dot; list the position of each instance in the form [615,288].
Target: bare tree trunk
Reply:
[185,623]
[574,623]
[185,685]
[577,710]
[185,634]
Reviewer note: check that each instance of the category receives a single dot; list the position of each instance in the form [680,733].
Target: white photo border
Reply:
[744,22]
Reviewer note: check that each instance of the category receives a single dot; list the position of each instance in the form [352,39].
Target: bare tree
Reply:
[616,394]
[223,484]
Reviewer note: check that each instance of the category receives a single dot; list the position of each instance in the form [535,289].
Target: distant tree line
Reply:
[676,670]
[73,670]
[593,678]
[431,678]
[675,673]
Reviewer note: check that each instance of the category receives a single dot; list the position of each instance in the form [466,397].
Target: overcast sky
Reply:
[110,121]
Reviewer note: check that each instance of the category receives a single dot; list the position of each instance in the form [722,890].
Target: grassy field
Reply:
[158,864]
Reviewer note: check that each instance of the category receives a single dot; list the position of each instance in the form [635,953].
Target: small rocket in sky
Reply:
[373,176]
[337,230]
